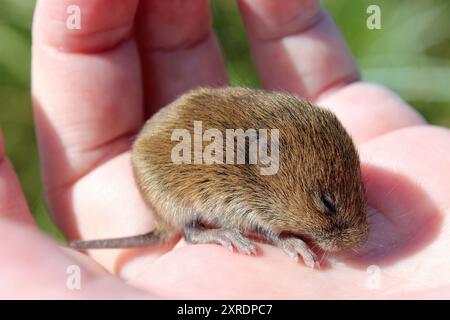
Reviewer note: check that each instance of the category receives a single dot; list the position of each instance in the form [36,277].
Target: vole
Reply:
[316,195]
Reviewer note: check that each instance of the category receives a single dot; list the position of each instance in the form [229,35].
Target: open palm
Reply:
[93,88]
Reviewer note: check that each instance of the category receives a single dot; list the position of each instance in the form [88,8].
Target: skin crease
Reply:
[84,142]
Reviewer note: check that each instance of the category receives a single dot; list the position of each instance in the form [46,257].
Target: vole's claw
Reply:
[295,247]
[240,242]
[228,238]
[225,242]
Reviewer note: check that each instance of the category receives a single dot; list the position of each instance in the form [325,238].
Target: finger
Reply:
[297,47]
[33,267]
[87,94]
[12,201]
[368,110]
[86,86]
[178,49]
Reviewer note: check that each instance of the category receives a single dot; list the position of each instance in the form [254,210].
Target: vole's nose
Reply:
[347,238]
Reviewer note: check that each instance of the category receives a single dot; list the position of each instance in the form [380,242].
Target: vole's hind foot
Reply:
[295,247]
[229,238]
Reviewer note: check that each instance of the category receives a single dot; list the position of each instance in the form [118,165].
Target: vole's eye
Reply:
[328,203]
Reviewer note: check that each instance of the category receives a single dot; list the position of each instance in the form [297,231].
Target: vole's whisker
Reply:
[371,243]
[323,258]
[355,250]
[395,186]
[405,213]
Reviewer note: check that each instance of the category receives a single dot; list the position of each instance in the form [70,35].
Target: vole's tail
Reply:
[151,238]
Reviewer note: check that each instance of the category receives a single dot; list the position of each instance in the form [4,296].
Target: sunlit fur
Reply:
[317,157]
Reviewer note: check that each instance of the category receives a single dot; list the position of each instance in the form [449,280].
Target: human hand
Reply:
[33,266]
[92,92]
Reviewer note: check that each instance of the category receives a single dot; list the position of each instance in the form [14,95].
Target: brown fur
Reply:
[317,159]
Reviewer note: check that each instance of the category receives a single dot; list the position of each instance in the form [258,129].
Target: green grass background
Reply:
[410,54]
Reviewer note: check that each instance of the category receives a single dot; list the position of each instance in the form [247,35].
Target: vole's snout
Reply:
[349,238]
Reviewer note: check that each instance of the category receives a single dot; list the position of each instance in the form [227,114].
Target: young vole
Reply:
[316,195]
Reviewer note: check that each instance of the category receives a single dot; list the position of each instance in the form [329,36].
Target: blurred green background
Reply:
[410,54]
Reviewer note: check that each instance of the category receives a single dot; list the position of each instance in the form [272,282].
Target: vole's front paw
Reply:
[295,247]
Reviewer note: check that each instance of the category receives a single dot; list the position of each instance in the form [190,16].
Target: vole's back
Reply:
[312,146]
